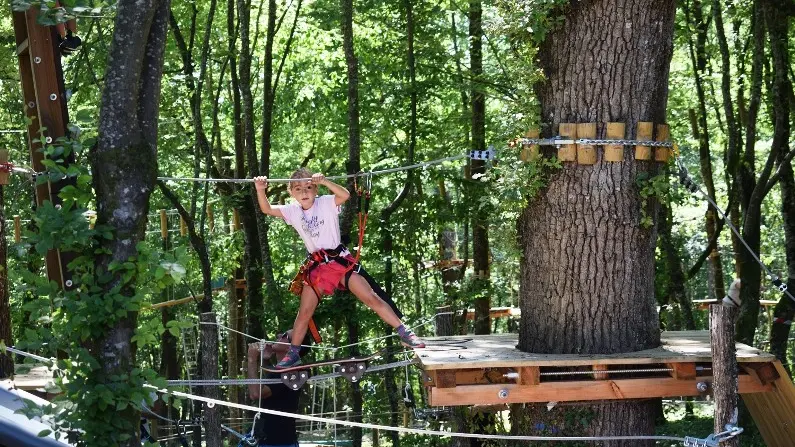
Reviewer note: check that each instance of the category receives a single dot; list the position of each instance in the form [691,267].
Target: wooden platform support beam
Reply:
[584,390]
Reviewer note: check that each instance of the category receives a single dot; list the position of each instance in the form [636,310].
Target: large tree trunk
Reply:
[587,273]
[124,165]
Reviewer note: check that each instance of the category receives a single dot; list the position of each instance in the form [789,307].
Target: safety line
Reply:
[688,183]
[334,177]
[416,431]
[27,354]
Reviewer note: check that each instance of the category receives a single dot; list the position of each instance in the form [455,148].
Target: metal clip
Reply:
[488,154]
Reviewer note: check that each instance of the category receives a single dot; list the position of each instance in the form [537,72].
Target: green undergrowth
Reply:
[699,424]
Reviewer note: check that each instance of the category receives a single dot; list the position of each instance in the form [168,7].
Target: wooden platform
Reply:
[488,370]
[34,378]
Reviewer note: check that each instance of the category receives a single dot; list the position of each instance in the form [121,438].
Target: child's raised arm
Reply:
[341,194]
[261,184]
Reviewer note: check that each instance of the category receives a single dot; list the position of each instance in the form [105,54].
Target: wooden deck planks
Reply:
[499,351]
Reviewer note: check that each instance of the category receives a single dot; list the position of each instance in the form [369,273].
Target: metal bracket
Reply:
[352,371]
[295,379]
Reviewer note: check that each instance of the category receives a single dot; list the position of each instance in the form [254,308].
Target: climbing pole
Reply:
[44,99]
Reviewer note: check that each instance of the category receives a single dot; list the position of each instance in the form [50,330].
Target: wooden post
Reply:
[444,321]
[662,154]
[17,229]
[210,218]
[586,153]
[614,152]
[644,133]
[163,225]
[724,368]
[44,99]
[529,151]
[4,173]
[183,227]
[568,152]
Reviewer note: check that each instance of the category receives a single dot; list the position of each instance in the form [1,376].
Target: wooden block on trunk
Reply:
[586,153]
[568,152]
[644,133]
[662,154]
[4,169]
[530,152]
[614,152]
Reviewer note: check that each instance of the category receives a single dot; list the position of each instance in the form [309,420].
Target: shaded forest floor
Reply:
[699,424]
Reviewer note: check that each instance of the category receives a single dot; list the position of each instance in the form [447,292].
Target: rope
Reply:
[418,431]
[689,184]
[335,177]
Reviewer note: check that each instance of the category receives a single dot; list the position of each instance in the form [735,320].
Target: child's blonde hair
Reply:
[299,173]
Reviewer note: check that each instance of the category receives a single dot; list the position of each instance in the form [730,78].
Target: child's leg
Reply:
[307,308]
[359,287]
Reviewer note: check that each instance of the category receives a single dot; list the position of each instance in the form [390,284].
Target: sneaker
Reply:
[410,340]
[289,360]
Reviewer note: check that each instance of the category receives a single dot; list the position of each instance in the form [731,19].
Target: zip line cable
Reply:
[712,440]
[333,177]
[690,185]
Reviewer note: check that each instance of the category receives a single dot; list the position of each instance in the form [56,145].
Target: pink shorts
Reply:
[327,277]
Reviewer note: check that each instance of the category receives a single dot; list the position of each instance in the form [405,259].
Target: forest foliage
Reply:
[731,71]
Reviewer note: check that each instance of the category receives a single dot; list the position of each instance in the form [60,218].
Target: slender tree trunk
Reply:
[673,261]
[354,164]
[698,54]
[778,30]
[751,226]
[587,272]
[248,216]
[124,165]
[6,361]
[480,225]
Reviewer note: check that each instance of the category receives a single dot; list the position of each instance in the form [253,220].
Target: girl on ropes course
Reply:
[329,265]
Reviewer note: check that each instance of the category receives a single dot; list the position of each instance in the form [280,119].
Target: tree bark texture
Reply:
[724,368]
[354,165]
[209,371]
[6,361]
[354,133]
[124,160]
[480,230]
[587,272]
[248,216]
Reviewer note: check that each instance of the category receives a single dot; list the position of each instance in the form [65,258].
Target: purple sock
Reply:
[294,351]
[401,330]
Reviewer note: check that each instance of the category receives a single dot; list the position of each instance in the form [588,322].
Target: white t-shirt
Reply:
[319,226]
